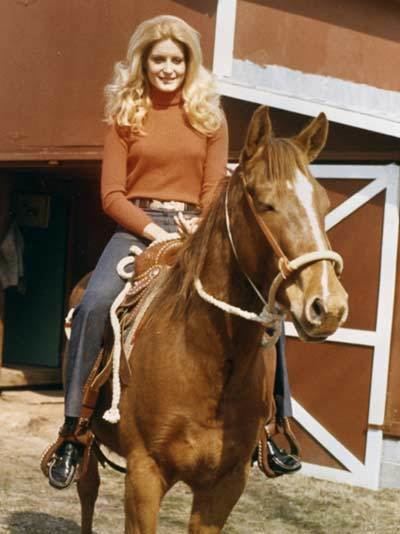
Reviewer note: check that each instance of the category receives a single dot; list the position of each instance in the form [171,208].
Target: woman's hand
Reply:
[155,233]
[186,226]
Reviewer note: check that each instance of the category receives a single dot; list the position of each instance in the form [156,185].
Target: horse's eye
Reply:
[265,206]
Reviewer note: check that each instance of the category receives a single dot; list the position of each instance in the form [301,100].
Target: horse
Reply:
[197,397]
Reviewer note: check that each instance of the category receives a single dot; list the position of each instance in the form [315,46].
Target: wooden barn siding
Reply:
[353,40]
[56,57]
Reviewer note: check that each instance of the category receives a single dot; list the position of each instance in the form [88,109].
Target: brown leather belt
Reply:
[173,205]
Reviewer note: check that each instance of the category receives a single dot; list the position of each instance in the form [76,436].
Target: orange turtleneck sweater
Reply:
[171,162]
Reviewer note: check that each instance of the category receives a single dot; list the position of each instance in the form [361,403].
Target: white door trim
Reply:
[307,104]
[225,25]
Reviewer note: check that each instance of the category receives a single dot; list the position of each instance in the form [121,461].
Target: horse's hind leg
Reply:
[144,489]
[88,489]
[212,506]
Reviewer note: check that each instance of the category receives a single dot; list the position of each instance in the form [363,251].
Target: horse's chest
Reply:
[202,453]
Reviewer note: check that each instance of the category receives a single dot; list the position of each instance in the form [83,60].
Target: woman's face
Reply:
[166,65]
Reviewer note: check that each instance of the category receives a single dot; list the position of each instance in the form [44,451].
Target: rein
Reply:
[270,316]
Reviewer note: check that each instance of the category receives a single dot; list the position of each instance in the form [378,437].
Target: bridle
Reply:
[271,316]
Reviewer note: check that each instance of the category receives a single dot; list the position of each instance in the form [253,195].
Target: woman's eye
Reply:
[177,60]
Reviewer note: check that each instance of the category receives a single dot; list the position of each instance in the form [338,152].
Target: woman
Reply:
[165,151]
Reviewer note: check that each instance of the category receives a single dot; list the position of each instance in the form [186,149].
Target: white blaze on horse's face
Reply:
[318,302]
[304,191]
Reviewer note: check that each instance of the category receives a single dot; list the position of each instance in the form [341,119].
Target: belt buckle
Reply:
[176,205]
[155,205]
[171,205]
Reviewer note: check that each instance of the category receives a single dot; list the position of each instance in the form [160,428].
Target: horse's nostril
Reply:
[317,310]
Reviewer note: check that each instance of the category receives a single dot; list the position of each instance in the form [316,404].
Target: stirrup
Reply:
[280,462]
[274,461]
[82,436]
[73,468]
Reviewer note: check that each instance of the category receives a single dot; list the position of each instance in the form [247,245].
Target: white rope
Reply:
[112,414]
[266,318]
[68,323]
[302,261]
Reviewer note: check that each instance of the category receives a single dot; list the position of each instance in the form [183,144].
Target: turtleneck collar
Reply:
[164,99]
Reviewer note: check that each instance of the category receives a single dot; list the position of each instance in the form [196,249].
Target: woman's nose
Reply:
[167,67]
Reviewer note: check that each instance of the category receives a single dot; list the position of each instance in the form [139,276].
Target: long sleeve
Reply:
[215,164]
[113,185]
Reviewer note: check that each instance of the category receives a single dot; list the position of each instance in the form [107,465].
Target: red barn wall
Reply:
[353,40]
[55,59]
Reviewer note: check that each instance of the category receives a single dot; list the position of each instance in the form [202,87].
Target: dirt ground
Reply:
[289,505]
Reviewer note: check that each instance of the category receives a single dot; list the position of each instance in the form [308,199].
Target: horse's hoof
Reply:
[63,467]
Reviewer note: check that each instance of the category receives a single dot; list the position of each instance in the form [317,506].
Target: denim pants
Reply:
[91,314]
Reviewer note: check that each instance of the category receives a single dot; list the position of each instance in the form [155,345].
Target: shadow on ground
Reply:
[39,523]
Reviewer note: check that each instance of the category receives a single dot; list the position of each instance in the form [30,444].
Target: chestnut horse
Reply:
[195,404]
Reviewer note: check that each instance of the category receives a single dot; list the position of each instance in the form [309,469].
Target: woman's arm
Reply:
[113,186]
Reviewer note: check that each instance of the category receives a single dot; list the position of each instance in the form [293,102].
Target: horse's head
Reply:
[291,205]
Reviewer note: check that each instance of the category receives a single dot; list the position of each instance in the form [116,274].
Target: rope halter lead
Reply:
[271,316]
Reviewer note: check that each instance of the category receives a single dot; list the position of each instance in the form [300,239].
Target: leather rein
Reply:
[271,316]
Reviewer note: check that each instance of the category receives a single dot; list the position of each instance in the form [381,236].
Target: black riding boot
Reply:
[63,467]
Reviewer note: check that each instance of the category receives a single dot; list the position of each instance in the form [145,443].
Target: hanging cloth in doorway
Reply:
[11,258]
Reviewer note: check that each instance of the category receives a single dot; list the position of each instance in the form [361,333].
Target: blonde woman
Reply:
[165,150]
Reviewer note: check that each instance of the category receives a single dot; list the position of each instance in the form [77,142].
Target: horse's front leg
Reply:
[144,489]
[88,489]
[212,506]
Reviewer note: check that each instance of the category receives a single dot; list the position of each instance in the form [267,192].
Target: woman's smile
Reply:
[166,65]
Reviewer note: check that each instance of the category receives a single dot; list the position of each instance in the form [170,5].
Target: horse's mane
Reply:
[282,157]
[178,285]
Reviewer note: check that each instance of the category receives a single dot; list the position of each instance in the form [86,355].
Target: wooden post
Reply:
[5,187]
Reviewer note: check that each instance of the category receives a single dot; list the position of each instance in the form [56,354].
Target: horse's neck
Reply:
[223,278]
[223,272]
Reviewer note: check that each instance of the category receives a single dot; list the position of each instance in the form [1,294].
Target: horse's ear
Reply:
[259,131]
[313,138]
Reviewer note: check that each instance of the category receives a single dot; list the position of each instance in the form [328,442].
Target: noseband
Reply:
[270,316]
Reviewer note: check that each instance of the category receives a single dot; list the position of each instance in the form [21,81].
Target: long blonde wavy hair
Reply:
[127,96]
